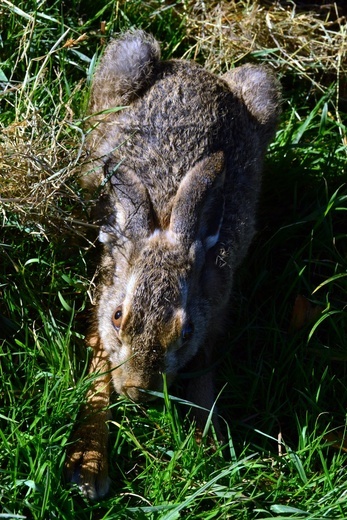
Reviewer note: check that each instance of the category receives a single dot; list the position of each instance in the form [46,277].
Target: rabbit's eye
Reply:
[187,331]
[117,317]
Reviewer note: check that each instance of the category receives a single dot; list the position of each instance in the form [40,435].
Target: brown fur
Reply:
[181,168]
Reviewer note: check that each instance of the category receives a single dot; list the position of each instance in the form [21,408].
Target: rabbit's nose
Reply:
[135,388]
[137,394]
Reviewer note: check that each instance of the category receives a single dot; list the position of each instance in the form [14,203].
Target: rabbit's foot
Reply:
[86,461]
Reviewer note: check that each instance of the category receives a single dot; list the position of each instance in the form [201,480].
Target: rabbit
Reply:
[175,155]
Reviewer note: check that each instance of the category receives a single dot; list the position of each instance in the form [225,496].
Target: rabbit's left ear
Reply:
[198,207]
[133,217]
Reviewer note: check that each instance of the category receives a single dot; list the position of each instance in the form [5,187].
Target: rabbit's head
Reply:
[152,315]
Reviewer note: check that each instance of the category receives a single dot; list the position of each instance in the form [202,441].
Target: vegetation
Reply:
[282,378]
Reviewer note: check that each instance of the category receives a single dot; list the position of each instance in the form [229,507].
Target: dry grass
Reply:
[39,163]
[311,43]
[35,167]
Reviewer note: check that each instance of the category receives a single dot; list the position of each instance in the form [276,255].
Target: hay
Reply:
[310,43]
[35,173]
[39,161]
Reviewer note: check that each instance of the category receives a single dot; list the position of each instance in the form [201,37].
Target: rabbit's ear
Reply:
[126,70]
[199,204]
[134,214]
[260,92]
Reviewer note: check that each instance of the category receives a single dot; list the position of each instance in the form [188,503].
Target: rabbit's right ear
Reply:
[260,92]
[199,203]
[134,214]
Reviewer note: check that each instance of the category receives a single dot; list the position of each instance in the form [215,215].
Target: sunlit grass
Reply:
[281,379]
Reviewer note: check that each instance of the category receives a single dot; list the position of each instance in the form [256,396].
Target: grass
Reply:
[282,372]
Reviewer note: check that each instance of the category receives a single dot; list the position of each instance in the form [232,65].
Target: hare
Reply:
[176,154]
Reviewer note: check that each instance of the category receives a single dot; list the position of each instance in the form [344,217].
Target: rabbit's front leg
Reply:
[86,462]
[199,390]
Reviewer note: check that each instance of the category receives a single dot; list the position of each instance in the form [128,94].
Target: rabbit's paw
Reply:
[86,462]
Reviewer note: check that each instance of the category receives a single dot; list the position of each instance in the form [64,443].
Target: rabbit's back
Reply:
[186,115]
[163,134]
